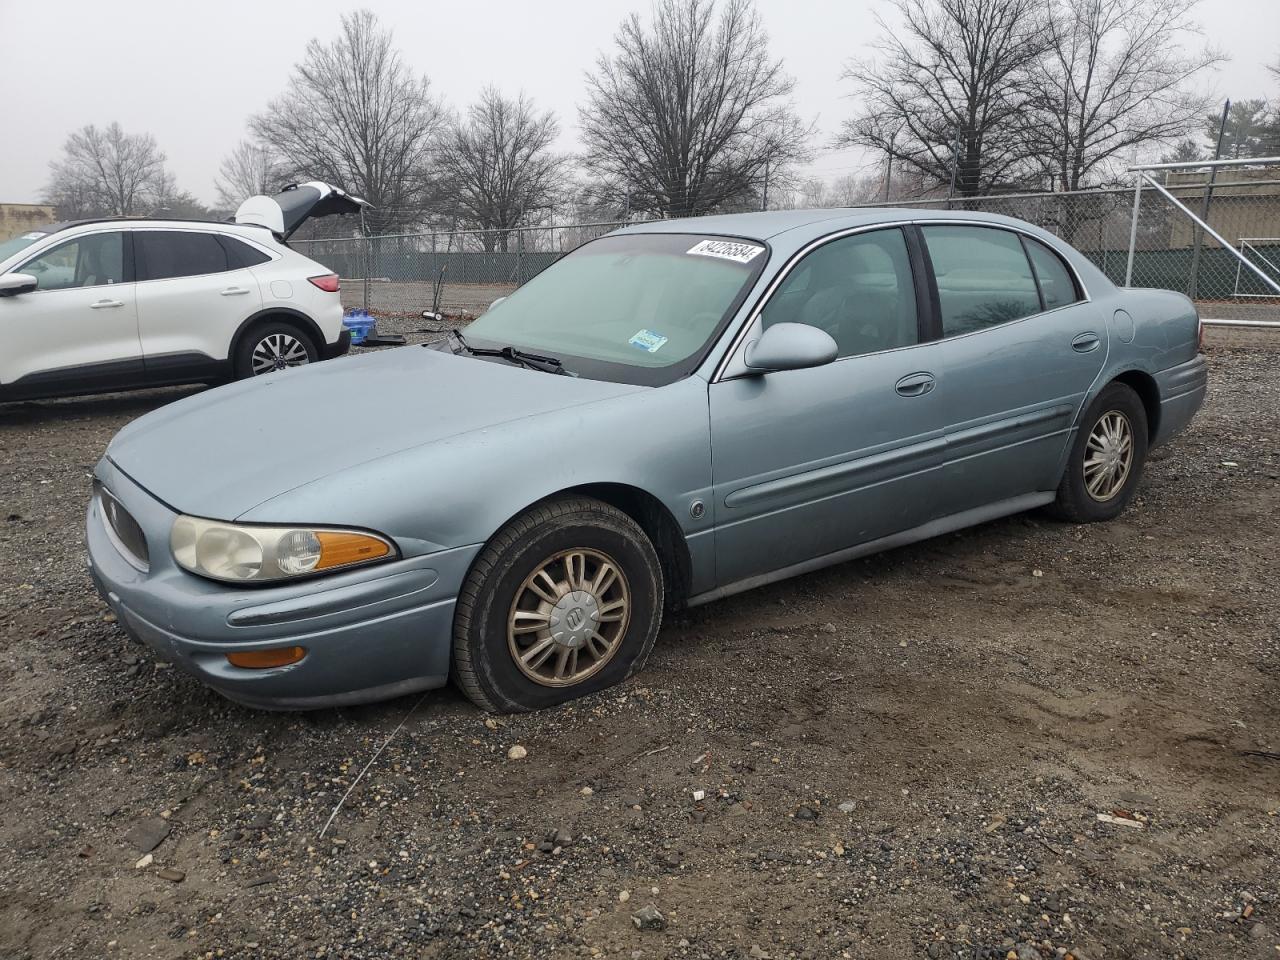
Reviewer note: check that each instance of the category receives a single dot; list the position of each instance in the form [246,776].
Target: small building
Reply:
[1245,204]
[16,218]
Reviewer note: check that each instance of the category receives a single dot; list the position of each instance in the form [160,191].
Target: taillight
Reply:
[1199,335]
[328,282]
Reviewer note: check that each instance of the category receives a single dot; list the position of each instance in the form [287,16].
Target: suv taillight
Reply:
[328,282]
[1199,335]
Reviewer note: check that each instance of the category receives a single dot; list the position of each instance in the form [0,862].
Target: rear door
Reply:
[79,329]
[193,294]
[1019,349]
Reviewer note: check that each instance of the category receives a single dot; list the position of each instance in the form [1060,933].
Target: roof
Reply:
[68,224]
[767,224]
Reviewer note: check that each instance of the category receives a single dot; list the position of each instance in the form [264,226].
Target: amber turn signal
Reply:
[339,549]
[263,659]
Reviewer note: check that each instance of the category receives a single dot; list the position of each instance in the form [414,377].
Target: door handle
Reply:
[1086,342]
[234,291]
[104,304]
[915,385]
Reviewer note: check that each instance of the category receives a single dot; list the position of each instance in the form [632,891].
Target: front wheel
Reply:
[271,347]
[565,600]
[1106,458]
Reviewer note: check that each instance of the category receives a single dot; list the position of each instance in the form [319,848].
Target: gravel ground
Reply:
[906,756]
[411,298]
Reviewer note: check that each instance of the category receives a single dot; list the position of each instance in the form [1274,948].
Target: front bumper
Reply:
[372,633]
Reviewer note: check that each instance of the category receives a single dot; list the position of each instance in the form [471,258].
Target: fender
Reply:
[308,325]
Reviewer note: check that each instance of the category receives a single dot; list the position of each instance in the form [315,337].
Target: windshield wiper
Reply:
[533,361]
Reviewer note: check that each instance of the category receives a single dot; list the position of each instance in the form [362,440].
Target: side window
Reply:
[241,254]
[164,254]
[92,261]
[1056,285]
[858,288]
[984,278]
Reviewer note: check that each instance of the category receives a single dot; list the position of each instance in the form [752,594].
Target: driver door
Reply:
[810,462]
[78,330]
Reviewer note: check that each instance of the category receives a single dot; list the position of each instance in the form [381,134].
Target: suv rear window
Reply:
[164,254]
[240,254]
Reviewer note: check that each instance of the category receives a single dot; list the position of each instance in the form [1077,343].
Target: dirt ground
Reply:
[905,756]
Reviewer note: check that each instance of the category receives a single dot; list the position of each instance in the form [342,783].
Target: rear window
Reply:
[1056,285]
[240,254]
[164,254]
[984,277]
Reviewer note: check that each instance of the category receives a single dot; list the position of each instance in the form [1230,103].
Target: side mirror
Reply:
[790,346]
[12,284]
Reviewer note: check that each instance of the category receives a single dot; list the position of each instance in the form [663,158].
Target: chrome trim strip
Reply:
[754,314]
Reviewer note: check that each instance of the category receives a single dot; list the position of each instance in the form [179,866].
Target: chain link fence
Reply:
[1169,250]
[459,273]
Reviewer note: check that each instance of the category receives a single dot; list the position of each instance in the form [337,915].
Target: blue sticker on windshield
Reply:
[647,340]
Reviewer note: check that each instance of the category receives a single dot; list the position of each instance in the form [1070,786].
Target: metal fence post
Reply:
[368,268]
[519,251]
[1133,228]
[1193,280]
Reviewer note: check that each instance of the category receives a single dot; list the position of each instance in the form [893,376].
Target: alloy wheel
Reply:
[568,617]
[1108,456]
[276,351]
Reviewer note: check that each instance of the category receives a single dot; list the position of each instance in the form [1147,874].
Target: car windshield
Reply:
[20,242]
[633,308]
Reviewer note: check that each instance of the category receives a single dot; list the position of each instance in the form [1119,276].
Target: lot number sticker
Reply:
[647,340]
[727,250]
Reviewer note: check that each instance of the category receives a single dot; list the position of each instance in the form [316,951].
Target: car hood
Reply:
[220,453]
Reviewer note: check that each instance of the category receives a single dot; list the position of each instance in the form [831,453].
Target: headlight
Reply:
[246,553]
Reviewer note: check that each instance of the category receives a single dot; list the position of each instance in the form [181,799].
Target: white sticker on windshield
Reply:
[647,340]
[31,236]
[727,250]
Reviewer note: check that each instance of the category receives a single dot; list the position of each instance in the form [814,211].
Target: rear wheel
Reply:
[1106,458]
[565,600]
[273,346]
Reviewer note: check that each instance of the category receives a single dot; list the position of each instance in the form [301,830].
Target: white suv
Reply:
[104,305]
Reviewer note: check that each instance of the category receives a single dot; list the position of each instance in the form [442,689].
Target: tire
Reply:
[503,588]
[273,338]
[1114,488]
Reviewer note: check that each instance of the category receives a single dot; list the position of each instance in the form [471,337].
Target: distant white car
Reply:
[101,305]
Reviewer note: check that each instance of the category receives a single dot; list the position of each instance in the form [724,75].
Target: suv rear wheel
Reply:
[273,346]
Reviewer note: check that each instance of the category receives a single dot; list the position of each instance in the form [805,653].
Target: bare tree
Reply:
[356,116]
[248,170]
[690,114]
[106,172]
[1115,78]
[850,190]
[947,95]
[496,166]
[171,203]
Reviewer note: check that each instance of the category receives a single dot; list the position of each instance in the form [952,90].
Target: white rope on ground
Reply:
[360,776]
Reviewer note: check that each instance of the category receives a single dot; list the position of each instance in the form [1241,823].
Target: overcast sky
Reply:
[192,78]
